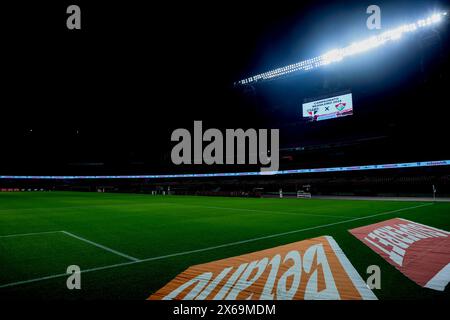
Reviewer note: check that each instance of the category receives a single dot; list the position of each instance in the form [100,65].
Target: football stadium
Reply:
[300,154]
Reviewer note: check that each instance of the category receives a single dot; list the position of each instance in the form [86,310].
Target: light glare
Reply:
[337,55]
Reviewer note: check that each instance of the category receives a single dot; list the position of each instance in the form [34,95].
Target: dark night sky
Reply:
[114,91]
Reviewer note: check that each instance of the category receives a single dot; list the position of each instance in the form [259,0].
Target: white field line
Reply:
[28,234]
[101,246]
[214,247]
[291,213]
[73,236]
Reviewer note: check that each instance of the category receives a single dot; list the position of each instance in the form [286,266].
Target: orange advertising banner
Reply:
[310,269]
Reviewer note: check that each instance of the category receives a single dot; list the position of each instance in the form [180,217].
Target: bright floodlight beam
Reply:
[339,54]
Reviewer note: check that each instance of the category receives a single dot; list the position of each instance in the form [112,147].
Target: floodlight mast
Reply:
[337,55]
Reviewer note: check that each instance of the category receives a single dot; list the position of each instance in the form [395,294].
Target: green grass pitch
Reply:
[108,235]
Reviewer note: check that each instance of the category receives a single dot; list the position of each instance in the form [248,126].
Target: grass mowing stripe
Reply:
[291,213]
[214,247]
[101,246]
[81,207]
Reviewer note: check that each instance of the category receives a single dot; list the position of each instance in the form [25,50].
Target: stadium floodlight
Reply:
[337,55]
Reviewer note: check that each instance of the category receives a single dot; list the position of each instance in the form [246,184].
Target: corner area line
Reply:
[12,284]
[101,246]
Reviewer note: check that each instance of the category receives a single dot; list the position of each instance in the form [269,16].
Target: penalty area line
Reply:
[101,246]
[12,284]
[128,257]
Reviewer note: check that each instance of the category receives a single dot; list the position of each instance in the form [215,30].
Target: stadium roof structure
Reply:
[337,55]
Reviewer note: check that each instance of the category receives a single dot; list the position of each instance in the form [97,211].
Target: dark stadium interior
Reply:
[107,103]
[98,203]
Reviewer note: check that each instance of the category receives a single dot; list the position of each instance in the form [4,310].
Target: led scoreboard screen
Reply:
[328,108]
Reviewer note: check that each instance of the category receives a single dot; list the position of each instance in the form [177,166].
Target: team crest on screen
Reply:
[340,106]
